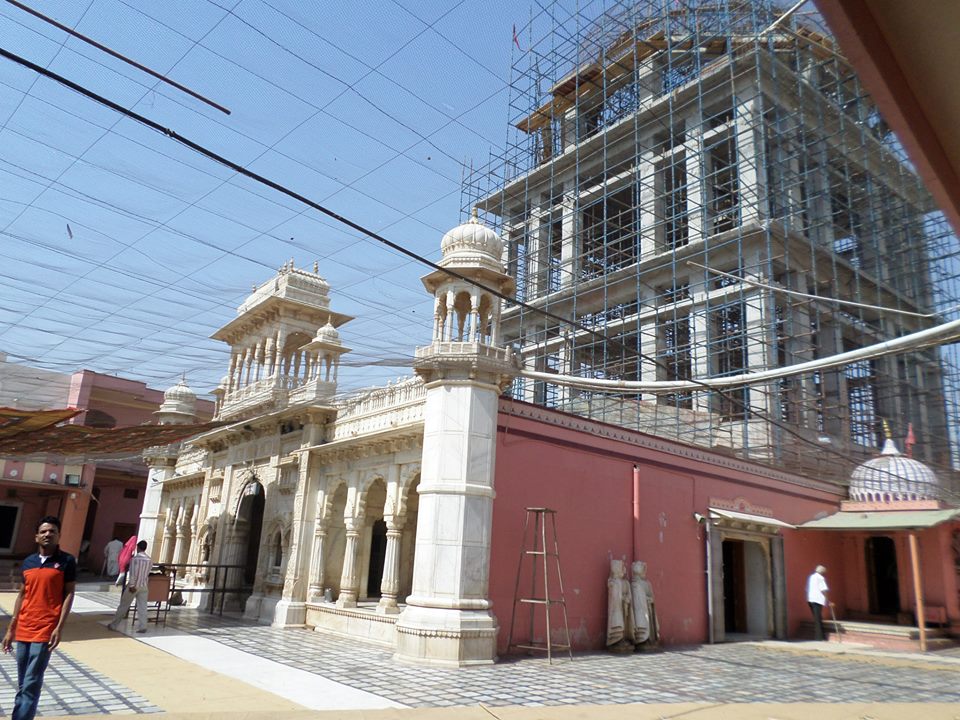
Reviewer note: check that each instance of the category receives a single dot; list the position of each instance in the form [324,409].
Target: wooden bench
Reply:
[160,586]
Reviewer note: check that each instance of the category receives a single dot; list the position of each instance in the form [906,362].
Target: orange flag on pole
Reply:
[910,441]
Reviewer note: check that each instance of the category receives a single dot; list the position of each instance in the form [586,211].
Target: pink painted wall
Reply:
[130,403]
[587,478]
[938,572]
[113,508]
[13,469]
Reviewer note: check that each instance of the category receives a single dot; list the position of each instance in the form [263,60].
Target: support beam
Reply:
[918,591]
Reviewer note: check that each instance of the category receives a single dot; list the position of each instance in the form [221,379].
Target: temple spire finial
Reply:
[887,435]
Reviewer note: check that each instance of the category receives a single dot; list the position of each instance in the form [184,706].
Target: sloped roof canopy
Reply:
[882,520]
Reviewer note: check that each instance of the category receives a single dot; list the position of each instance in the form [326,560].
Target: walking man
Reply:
[817,598]
[138,573]
[111,558]
[39,612]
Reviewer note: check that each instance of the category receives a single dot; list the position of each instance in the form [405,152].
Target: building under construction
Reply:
[698,190]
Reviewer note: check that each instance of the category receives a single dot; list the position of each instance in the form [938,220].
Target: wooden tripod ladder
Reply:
[536,597]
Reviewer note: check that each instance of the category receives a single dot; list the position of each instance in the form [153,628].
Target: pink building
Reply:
[95,501]
[717,534]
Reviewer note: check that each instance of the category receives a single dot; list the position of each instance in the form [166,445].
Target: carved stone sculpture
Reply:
[619,615]
[646,632]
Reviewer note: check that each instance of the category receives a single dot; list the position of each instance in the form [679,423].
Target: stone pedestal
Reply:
[446,636]
[289,613]
[448,620]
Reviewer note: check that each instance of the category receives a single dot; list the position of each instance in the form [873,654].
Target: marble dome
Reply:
[472,237]
[179,403]
[892,477]
[180,391]
[328,334]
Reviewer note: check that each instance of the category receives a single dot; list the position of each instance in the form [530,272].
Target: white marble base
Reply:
[363,623]
[261,608]
[287,613]
[388,608]
[251,609]
[446,637]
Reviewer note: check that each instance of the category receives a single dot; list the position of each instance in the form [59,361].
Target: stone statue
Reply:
[646,632]
[619,615]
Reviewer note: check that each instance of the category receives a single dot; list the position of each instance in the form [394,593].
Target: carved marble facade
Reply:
[312,505]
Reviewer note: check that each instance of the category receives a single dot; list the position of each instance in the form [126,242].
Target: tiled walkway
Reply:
[710,674]
[719,673]
[71,688]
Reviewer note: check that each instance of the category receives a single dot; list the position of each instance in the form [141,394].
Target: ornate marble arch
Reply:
[275,541]
[248,488]
[408,476]
[364,490]
[207,538]
[325,507]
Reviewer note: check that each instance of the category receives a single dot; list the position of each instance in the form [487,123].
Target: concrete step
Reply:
[879,635]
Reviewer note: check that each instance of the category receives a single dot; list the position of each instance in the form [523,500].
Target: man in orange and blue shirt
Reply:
[41,608]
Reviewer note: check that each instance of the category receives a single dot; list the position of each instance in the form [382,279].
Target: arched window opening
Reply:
[485,312]
[277,551]
[461,306]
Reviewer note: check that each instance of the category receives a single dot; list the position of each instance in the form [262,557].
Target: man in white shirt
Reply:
[111,558]
[817,598]
[138,574]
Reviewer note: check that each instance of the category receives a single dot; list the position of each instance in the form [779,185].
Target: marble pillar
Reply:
[317,561]
[350,579]
[390,583]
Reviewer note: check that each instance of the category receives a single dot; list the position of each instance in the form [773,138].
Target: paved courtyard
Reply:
[71,688]
[732,673]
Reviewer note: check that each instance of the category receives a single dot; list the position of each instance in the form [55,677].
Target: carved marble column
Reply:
[317,561]
[161,462]
[292,608]
[390,584]
[169,536]
[183,539]
[350,579]
[231,380]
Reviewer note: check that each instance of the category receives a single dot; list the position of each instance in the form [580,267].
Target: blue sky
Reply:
[122,251]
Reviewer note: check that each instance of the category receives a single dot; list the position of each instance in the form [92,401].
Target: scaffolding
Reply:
[673,168]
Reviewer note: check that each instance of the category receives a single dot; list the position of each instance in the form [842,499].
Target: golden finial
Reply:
[886,430]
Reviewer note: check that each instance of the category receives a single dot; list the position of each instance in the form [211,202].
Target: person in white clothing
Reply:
[817,598]
[138,573]
[111,558]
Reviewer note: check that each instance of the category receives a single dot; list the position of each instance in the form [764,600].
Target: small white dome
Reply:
[328,334]
[180,391]
[892,477]
[472,237]
[179,405]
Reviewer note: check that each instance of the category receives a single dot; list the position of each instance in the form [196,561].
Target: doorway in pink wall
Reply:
[883,580]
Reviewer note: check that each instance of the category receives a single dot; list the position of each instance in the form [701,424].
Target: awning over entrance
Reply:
[882,520]
[747,518]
